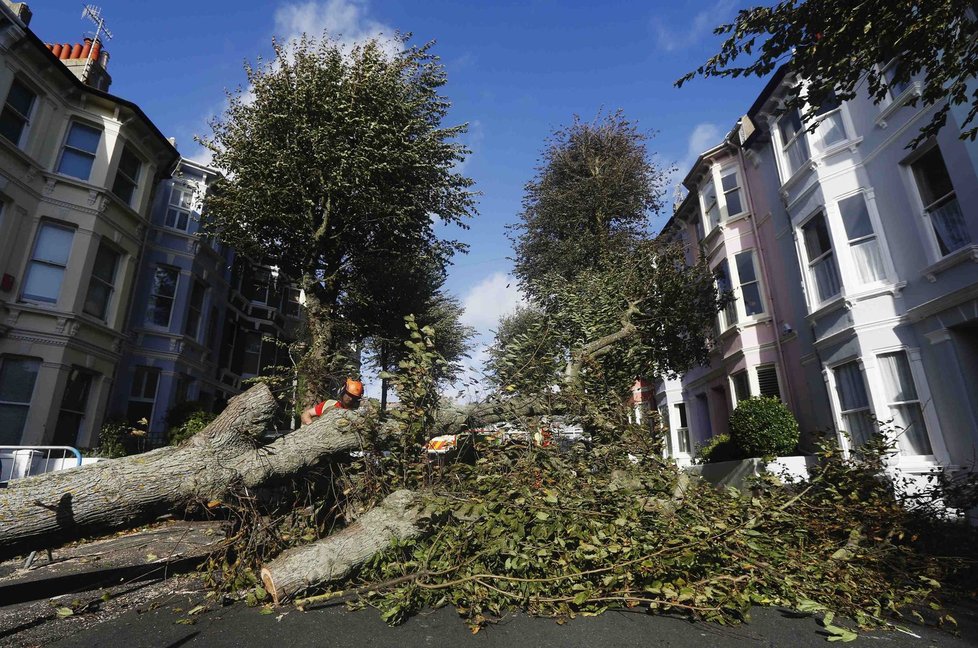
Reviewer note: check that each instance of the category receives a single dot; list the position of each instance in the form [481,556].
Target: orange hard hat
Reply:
[353,388]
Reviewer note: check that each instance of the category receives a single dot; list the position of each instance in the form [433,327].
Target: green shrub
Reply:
[762,426]
[185,420]
[112,440]
[718,448]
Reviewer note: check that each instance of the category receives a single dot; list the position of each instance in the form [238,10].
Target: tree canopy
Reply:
[611,301]
[594,189]
[835,45]
[334,157]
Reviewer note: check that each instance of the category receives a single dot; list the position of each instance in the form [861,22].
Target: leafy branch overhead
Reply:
[846,48]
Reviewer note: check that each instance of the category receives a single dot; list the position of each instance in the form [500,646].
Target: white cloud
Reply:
[675,38]
[490,299]
[704,136]
[348,21]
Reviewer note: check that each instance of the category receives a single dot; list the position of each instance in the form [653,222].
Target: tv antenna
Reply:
[94,13]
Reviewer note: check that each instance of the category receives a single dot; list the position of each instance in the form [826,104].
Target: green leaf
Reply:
[63,612]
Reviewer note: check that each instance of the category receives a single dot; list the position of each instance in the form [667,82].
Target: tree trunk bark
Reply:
[334,558]
[52,509]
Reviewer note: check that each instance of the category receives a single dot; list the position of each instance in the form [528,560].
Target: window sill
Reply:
[831,304]
[912,91]
[965,254]
[848,144]
[875,290]
[800,173]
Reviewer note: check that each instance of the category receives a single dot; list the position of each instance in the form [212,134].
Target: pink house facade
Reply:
[853,263]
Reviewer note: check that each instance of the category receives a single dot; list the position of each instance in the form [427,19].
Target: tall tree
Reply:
[331,157]
[835,44]
[594,189]
[619,302]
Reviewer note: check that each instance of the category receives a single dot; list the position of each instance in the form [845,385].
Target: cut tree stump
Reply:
[334,558]
[54,508]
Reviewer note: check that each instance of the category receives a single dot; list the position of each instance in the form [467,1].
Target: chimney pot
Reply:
[56,49]
[65,51]
[76,50]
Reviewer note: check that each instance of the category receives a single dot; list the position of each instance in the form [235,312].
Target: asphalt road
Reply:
[238,625]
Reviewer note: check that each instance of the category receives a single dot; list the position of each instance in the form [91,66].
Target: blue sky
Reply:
[516,71]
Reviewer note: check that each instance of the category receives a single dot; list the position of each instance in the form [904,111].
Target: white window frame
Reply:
[849,275]
[93,154]
[814,140]
[782,149]
[846,440]
[705,208]
[874,374]
[815,301]
[926,209]
[178,209]
[28,118]
[683,445]
[730,169]
[37,299]
[742,315]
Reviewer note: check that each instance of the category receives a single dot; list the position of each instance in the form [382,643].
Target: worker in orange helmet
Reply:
[348,397]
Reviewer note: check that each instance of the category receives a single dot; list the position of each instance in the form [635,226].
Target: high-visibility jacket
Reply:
[325,405]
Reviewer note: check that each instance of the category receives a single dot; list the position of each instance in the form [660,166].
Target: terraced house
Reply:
[853,262]
[78,171]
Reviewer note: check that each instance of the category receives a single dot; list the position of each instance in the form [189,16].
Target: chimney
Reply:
[21,10]
[87,61]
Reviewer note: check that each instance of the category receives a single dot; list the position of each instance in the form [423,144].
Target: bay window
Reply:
[731,192]
[711,206]
[161,297]
[102,282]
[682,433]
[750,287]
[793,142]
[17,378]
[73,406]
[49,259]
[864,246]
[178,209]
[854,407]
[17,112]
[822,268]
[728,316]
[78,152]
[831,126]
[904,404]
[127,176]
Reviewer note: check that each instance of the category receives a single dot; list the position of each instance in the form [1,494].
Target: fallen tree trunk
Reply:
[54,508]
[334,558]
